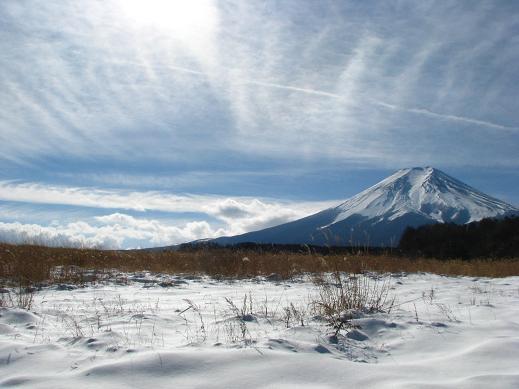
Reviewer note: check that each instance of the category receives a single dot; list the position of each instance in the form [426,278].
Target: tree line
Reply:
[487,238]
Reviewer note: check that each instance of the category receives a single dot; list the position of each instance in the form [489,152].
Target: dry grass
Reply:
[26,264]
[342,297]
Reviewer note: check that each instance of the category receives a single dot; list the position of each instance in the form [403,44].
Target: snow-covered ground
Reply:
[442,332]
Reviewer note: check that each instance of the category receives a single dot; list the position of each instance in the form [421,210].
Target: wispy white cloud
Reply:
[147,200]
[218,216]
[295,89]
[85,79]
[351,70]
[462,119]
[120,230]
[101,93]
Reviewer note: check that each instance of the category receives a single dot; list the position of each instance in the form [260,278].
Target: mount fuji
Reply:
[379,215]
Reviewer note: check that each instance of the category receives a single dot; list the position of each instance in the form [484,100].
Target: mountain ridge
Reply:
[416,190]
[379,215]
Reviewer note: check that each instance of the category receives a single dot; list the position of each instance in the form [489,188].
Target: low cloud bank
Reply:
[219,216]
[114,231]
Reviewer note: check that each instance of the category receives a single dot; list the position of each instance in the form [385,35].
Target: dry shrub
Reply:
[343,297]
[26,264]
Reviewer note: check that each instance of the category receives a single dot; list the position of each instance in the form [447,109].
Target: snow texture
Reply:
[134,333]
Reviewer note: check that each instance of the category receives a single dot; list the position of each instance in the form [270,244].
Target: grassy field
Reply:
[30,264]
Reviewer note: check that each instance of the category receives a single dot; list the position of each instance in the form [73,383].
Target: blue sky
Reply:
[128,123]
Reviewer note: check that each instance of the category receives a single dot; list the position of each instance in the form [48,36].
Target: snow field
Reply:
[200,332]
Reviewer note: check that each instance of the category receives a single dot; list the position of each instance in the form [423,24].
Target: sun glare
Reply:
[183,17]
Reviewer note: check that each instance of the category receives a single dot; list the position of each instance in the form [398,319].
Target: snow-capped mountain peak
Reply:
[426,191]
[379,215]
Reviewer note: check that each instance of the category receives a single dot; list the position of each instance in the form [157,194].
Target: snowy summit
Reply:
[379,215]
[426,191]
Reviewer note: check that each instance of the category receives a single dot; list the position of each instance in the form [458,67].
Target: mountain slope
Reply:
[379,215]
